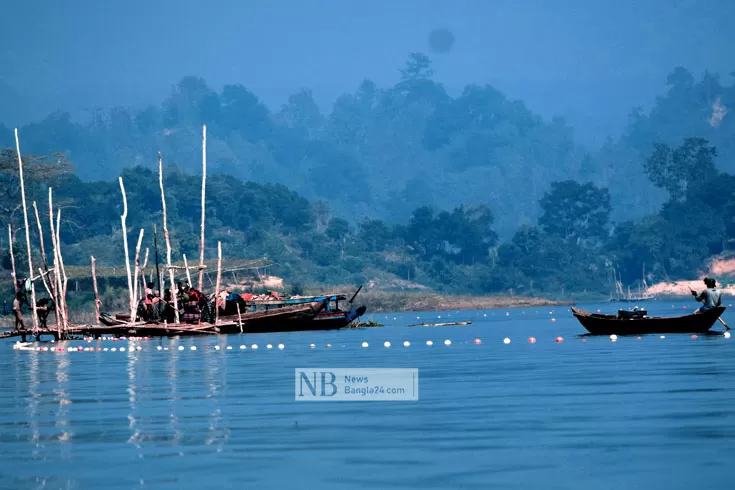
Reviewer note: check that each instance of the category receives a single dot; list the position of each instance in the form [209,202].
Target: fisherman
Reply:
[148,299]
[17,311]
[712,297]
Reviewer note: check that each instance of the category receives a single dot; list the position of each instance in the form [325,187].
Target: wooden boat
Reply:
[288,319]
[635,323]
[291,318]
[330,318]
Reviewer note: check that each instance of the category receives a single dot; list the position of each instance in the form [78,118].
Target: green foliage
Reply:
[576,212]
[677,170]
[422,186]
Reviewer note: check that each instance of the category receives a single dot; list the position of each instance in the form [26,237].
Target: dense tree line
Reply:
[573,248]
[470,193]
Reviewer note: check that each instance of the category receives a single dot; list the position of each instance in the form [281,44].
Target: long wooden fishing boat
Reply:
[637,323]
[288,319]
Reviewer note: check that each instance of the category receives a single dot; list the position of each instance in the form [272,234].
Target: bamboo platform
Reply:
[128,329]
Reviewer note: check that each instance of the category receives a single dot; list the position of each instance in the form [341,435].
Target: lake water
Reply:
[651,413]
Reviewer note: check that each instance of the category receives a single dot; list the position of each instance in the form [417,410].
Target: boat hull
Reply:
[598,324]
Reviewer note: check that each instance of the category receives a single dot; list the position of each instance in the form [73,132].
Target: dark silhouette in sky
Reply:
[589,62]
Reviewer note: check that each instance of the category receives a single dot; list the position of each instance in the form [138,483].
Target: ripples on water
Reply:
[649,413]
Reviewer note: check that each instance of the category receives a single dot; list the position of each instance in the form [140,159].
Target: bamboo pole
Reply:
[60,269]
[188,274]
[142,271]
[168,242]
[219,278]
[123,217]
[43,248]
[42,275]
[239,319]
[51,286]
[96,293]
[135,277]
[12,259]
[60,317]
[28,230]
[204,182]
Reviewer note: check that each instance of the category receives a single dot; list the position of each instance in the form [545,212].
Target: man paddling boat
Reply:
[711,297]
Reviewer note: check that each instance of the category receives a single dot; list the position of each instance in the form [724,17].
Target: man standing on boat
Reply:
[712,297]
[16,311]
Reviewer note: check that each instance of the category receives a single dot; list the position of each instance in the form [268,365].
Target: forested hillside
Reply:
[402,185]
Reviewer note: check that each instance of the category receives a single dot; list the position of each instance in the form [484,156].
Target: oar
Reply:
[718,318]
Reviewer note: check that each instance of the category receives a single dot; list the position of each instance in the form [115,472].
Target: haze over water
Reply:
[650,413]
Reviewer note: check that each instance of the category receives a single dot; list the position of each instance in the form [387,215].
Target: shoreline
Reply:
[382,302]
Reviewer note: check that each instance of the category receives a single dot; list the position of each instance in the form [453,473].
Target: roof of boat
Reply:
[293,300]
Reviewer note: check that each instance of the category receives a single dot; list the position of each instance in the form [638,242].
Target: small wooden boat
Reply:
[630,323]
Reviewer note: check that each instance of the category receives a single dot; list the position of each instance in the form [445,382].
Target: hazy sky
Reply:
[589,61]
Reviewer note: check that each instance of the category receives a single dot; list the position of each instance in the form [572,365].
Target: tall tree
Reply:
[576,212]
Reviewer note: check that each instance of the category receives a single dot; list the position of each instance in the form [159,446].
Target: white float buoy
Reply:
[229,347]
[254,346]
[181,347]
[386,344]
[193,347]
[447,342]
[506,340]
[269,346]
[429,342]
[242,347]
[406,343]
[726,335]
[216,347]
[364,344]
[613,337]
[159,347]
[114,349]
[663,337]
[122,349]
[281,346]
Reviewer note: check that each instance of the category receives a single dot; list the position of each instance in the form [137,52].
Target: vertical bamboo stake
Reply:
[12,258]
[239,319]
[96,293]
[62,270]
[135,278]
[204,182]
[123,217]
[51,286]
[60,318]
[43,249]
[28,231]
[188,274]
[142,271]
[168,242]
[219,278]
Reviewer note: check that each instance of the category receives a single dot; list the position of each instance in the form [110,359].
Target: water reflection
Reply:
[216,380]
[62,413]
[132,361]
[173,398]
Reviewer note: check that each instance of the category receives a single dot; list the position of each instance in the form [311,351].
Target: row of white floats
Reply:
[133,347]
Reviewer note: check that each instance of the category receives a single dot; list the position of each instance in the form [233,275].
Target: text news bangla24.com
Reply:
[356,384]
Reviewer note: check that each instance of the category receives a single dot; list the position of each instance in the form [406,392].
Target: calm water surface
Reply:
[650,413]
